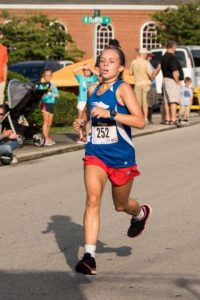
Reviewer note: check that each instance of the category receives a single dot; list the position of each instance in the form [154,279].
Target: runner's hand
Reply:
[100,112]
[78,124]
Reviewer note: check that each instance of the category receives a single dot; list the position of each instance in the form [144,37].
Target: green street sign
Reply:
[96,20]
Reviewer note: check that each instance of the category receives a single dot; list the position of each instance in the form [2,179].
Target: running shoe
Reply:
[86,265]
[137,226]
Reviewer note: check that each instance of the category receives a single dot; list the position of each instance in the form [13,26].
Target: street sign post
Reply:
[96,20]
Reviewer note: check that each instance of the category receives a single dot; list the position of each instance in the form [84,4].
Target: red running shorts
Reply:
[117,176]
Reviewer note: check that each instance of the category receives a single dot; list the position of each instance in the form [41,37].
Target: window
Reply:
[60,25]
[103,34]
[149,36]
[196,57]
[180,55]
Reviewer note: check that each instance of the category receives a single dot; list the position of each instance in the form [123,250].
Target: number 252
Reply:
[102,132]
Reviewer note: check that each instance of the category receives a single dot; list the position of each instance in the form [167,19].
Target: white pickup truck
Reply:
[189,58]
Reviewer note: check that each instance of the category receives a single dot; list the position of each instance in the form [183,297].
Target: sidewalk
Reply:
[67,142]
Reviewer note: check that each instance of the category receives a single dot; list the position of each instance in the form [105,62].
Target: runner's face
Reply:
[110,65]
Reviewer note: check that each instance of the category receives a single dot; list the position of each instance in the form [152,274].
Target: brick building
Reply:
[131,21]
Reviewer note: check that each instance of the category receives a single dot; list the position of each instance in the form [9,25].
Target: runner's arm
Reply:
[125,96]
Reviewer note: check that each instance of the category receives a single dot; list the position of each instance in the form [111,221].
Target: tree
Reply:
[181,24]
[34,37]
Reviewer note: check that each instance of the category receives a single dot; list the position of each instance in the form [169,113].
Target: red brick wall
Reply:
[126,24]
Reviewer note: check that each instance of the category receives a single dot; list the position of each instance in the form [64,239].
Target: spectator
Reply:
[89,77]
[172,75]
[142,71]
[8,141]
[48,106]
[3,68]
[186,101]
[152,96]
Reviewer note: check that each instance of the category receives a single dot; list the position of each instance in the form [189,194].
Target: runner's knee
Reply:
[93,201]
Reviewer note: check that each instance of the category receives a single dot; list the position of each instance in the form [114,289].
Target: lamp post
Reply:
[96,13]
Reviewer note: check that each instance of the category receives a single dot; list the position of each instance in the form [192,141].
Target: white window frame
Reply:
[60,23]
[98,44]
[148,34]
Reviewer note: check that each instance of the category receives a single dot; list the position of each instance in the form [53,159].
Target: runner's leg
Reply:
[122,201]
[95,179]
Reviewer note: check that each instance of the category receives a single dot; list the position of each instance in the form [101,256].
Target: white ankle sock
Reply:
[90,249]
[140,216]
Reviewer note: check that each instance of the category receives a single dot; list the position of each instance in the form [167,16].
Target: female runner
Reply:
[110,154]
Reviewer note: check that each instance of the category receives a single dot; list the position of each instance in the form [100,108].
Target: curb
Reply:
[63,148]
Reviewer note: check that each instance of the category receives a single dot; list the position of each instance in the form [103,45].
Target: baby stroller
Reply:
[23,98]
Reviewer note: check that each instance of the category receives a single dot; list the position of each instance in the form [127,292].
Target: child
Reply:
[48,106]
[110,154]
[186,101]
[89,77]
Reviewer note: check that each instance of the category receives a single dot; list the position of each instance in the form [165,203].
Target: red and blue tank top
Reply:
[108,140]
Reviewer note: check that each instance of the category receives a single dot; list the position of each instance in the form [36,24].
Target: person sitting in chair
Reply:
[8,142]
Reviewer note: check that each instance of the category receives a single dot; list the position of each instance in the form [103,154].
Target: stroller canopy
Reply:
[17,91]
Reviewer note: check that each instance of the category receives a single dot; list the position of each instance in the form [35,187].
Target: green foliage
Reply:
[181,24]
[14,75]
[36,117]
[65,110]
[37,37]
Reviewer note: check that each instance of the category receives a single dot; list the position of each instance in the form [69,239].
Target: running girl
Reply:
[110,154]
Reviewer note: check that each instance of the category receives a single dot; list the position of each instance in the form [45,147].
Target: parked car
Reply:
[33,69]
[189,58]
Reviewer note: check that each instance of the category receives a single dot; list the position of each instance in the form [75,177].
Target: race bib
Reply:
[104,134]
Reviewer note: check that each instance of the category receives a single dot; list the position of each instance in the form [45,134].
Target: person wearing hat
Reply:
[142,71]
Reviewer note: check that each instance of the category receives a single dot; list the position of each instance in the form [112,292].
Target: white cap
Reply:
[143,51]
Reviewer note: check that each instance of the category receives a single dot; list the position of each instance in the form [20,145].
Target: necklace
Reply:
[103,82]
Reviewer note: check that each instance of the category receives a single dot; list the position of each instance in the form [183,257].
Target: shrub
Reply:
[65,110]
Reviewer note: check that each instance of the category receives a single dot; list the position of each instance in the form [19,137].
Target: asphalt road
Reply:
[41,211]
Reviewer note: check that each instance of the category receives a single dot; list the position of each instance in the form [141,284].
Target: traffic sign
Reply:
[96,20]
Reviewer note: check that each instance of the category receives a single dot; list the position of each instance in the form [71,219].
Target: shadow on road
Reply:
[69,237]
[54,285]
[39,286]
